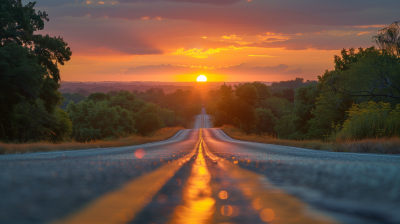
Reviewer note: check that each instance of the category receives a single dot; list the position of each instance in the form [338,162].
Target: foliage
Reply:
[34,123]
[148,120]
[371,120]
[305,102]
[97,120]
[278,106]
[383,146]
[211,108]
[358,77]
[388,38]
[76,97]
[266,121]
[293,84]
[330,110]
[285,127]
[29,74]
[185,103]
[96,96]
[369,74]
[262,90]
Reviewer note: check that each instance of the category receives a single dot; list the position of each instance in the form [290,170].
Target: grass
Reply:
[11,148]
[383,146]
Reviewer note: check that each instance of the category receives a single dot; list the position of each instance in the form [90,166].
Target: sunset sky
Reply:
[226,40]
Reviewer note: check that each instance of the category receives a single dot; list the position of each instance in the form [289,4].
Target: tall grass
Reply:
[162,134]
[384,146]
[370,121]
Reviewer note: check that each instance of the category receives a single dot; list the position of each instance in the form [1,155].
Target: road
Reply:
[199,176]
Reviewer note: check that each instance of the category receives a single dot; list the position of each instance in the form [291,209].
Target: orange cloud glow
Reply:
[226,40]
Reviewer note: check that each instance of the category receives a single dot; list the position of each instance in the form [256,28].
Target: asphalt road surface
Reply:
[200,176]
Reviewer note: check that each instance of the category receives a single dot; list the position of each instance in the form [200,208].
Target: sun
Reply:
[201,78]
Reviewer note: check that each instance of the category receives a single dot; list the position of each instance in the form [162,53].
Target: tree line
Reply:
[32,108]
[359,99]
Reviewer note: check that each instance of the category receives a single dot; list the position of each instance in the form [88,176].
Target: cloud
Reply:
[263,56]
[180,23]
[100,37]
[320,41]
[211,2]
[201,53]
[240,69]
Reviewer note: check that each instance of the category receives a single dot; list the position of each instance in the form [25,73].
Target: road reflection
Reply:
[198,205]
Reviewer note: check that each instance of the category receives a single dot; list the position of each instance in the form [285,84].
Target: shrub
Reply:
[371,120]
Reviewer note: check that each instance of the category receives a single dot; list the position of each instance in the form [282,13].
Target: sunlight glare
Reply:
[201,78]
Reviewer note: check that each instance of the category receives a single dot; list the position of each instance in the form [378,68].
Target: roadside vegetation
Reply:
[383,145]
[355,107]
[159,135]
[35,116]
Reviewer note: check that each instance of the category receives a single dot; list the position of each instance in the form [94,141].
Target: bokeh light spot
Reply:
[223,195]
[267,215]
[256,203]
[226,210]
[126,215]
[140,153]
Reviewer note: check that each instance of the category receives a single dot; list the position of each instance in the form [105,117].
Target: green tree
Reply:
[147,120]
[97,120]
[370,74]
[247,94]
[266,122]
[211,108]
[246,100]
[76,97]
[29,73]
[97,96]
[285,127]
[262,90]
[278,106]
[126,100]
[388,38]
[305,102]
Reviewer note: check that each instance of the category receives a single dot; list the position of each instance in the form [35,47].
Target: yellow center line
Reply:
[198,206]
[121,206]
[274,206]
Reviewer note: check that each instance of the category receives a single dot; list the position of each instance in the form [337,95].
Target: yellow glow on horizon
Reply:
[201,78]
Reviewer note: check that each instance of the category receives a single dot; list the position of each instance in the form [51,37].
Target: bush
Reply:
[371,120]
[93,121]
[266,121]
[285,127]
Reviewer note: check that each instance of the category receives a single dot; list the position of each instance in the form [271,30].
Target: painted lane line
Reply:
[121,206]
[198,204]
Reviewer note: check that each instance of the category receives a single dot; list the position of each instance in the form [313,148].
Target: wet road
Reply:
[199,176]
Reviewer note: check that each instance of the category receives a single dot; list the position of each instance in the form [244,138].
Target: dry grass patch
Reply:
[162,134]
[383,146]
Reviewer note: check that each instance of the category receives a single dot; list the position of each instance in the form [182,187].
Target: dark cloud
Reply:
[182,25]
[96,37]
[283,16]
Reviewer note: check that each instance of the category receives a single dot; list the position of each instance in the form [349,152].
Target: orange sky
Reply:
[226,40]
